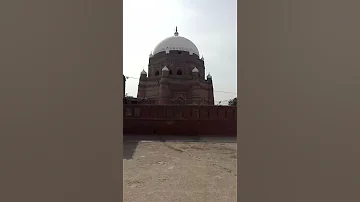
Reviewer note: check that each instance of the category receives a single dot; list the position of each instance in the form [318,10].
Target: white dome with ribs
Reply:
[176,42]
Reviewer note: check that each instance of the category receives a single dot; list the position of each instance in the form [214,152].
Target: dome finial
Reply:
[176,32]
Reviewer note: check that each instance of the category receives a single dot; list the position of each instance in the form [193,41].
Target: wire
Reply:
[127,77]
[218,91]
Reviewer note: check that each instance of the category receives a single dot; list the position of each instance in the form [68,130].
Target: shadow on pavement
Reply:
[129,149]
[132,141]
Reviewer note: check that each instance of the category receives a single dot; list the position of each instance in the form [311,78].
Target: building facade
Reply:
[176,74]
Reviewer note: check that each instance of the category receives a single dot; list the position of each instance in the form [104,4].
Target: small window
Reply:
[179,72]
[179,52]
[157,73]
[170,72]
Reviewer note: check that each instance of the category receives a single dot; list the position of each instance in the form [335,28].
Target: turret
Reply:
[164,86]
[143,75]
[195,73]
[165,71]
[209,78]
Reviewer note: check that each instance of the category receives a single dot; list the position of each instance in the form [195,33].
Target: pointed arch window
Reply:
[157,73]
[179,72]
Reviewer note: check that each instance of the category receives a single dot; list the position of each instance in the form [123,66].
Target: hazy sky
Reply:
[210,24]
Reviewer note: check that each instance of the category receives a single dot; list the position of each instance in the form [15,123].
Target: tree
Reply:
[233,102]
[128,96]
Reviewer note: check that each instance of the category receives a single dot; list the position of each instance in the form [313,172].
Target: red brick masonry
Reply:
[179,120]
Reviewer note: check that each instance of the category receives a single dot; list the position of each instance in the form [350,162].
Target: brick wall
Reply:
[181,120]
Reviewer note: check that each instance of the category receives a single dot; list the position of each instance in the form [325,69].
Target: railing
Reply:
[179,112]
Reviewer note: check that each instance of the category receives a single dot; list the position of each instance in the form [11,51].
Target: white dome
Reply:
[143,72]
[209,76]
[176,42]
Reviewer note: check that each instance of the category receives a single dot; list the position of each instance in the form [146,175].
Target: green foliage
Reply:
[233,102]
[128,96]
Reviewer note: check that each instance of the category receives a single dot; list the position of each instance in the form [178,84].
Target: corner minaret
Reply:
[211,90]
[142,85]
[209,78]
[143,75]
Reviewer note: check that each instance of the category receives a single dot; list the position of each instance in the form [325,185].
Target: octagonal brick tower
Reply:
[176,74]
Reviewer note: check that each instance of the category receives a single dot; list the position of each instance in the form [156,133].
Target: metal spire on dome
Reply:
[176,32]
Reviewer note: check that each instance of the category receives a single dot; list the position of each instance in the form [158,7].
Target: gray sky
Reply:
[210,24]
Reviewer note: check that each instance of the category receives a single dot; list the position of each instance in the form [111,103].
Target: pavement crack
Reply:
[173,148]
[224,168]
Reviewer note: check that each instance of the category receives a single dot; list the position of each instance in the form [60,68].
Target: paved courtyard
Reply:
[179,169]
